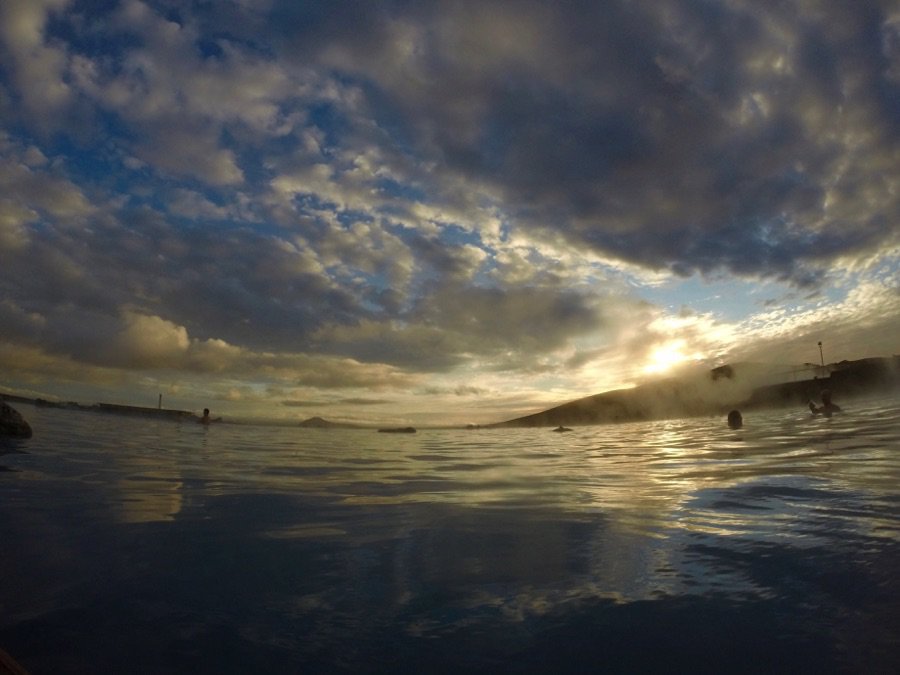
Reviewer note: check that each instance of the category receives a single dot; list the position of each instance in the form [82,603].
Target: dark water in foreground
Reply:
[152,547]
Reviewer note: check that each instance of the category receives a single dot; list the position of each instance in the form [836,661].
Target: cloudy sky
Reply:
[448,211]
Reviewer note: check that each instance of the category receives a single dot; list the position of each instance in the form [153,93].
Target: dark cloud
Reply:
[237,285]
[684,135]
[296,403]
[451,324]
[306,404]
[364,401]
[532,320]
[461,391]
[350,194]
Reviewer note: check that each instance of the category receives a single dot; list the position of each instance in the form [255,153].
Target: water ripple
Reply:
[325,538]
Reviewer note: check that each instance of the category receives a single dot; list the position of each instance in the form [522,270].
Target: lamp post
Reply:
[821,356]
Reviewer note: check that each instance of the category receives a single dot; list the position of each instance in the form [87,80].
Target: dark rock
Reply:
[12,424]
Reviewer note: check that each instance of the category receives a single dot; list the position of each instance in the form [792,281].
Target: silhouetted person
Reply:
[735,421]
[206,419]
[827,406]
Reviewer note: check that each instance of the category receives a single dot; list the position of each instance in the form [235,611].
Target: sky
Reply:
[453,211]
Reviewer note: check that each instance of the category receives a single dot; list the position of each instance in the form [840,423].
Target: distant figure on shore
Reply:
[206,419]
[827,406]
[735,421]
[12,424]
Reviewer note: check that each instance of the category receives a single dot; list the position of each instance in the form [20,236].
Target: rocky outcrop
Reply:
[12,424]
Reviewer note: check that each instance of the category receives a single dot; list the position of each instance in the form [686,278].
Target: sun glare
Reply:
[665,357]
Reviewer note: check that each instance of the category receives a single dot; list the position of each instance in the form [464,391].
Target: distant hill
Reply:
[713,392]
[321,423]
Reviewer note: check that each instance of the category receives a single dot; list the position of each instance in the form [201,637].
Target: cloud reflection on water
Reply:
[635,545]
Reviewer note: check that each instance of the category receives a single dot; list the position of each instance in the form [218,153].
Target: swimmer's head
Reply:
[735,421]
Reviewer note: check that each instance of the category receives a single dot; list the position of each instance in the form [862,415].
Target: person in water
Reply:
[735,421]
[827,406]
[206,419]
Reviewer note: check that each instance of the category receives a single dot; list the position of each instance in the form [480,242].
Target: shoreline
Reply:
[107,408]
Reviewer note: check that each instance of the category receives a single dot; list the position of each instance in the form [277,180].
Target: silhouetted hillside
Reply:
[745,386]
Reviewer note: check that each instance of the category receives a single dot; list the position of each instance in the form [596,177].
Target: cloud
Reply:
[365,401]
[865,323]
[700,158]
[530,319]
[177,101]
[149,341]
[36,366]
[30,188]
[13,217]
[146,343]
[306,404]
[454,198]
[675,136]
[336,402]
[194,205]
[18,324]
[455,324]
[460,390]
[38,68]
[185,149]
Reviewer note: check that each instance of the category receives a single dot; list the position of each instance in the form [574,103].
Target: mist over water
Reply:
[141,546]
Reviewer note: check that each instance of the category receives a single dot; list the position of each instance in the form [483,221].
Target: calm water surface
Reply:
[676,546]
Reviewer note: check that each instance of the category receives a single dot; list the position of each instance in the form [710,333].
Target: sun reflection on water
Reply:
[424,536]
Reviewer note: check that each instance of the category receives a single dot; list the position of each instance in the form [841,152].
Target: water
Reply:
[679,546]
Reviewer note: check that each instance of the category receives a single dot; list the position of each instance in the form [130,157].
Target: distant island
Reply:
[744,386]
[320,423]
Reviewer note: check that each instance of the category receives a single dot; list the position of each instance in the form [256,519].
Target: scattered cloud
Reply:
[448,203]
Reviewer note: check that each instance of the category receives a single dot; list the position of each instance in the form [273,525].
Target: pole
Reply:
[160,400]
[821,356]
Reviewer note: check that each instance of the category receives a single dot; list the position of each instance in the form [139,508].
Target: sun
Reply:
[665,357]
